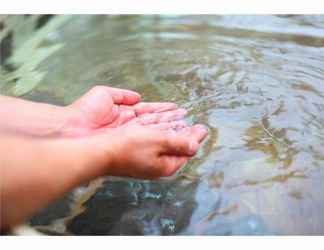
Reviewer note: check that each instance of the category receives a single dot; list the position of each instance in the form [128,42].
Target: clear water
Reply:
[257,82]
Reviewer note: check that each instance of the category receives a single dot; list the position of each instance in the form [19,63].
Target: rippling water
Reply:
[257,82]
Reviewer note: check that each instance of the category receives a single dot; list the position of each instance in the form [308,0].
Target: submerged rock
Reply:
[136,208]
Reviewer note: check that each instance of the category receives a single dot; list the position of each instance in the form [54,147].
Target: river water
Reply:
[257,83]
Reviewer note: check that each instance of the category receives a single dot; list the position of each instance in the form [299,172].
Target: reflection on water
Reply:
[257,82]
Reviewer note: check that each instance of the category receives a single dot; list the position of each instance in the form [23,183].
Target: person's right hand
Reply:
[104,107]
[100,108]
[145,152]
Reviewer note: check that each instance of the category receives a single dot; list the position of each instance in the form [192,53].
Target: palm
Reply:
[104,107]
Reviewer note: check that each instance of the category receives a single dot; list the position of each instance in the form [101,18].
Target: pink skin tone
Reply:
[104,107]
[100,108]
[105,132]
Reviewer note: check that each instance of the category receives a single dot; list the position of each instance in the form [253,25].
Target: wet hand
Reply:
[104,107]
[146,152]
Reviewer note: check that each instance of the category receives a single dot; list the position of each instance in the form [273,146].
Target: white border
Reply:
[165,243]
[162,7]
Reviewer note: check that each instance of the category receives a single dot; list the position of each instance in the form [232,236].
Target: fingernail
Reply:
[193,146]
[202,128]
[180,113]
[133,94]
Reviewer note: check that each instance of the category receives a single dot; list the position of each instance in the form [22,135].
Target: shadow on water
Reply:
[255,81]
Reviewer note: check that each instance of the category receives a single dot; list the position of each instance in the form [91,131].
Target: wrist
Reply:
[70,122]
[74,161]
[99,154]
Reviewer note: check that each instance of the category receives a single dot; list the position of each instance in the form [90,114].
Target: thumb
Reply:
[97,106]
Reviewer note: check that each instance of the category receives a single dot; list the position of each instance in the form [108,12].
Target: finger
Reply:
[97,103]
[96,93]
[123,96]
[197,132]
[166,116]
[106,94]
[175,125]
[176,144]
[184,142]
[153,107]
[171,164]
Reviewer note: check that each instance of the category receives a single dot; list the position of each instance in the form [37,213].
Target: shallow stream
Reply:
[257,83]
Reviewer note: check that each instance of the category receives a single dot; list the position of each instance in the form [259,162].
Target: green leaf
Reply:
[28,82]
[29,54]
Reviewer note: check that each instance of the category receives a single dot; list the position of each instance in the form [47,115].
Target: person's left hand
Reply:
[104,108]
[136,151]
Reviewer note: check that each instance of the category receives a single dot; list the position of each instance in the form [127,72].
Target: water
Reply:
[257,82]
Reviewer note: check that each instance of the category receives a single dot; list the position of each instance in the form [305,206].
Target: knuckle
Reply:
[98,88]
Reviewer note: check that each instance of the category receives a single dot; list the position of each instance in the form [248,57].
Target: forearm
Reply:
[35,172]
[25,117]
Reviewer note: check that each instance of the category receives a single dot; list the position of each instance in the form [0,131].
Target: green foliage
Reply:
[28,52]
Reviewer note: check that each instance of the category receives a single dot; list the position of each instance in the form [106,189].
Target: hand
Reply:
[127,138]
[100,108]
[145,152]
[60,164]
[104,107]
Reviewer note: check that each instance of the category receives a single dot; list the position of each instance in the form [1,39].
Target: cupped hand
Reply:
[146,152]
[104,107]
[133,138]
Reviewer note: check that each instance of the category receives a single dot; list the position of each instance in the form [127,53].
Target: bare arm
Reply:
[19,116]
[101,107]
[24,117]
[35,172]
